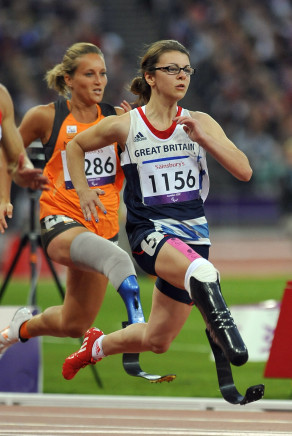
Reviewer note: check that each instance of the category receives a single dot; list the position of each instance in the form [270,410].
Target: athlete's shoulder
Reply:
[201,116]
[4,91]
[6,105]
[123,121]
[41,113]
[115,128]
[37,122]
[207,122]
[120,121]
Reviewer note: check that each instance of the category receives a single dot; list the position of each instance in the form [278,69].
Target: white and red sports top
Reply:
[167,181]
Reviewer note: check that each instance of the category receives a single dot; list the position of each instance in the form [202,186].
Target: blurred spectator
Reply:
[286,188]
[242,51]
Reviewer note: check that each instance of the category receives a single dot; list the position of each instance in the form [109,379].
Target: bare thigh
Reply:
[171,265]
[59,248]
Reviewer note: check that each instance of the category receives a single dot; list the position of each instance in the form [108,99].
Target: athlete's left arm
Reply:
[203,129]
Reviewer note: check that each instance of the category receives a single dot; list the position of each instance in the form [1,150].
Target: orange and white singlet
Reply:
[102,169]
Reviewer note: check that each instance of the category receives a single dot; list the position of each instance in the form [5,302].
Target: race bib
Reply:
[100,167]
[169,180]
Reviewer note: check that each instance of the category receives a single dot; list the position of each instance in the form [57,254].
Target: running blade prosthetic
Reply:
[226,382]
[132,367]
[219,322]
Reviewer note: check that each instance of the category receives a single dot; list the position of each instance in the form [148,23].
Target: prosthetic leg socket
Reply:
[220,324]
[130,293]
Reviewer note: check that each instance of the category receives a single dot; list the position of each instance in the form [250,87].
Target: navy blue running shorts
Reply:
[146,261]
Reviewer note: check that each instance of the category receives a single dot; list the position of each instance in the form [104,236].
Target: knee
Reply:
[58,250]
[159,345]
[75,330]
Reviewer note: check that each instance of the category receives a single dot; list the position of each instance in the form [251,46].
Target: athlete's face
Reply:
[89,80]
[173,86]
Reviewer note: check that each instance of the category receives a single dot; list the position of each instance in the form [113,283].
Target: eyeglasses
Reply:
[175,69]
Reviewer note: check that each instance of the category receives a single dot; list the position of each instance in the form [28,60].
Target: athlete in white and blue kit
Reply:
[163,155]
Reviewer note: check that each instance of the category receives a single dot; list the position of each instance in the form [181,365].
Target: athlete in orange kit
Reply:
[88,248]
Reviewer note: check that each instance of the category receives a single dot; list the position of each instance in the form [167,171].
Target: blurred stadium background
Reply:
[243,54]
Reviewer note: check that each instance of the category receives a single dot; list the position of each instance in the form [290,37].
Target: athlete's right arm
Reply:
[23,171]
[111,129]
[11,140]
[6,208]
[14,161]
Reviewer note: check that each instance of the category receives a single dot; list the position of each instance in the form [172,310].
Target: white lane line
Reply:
[146,432]
[113,428]
[138,402]
[30,413]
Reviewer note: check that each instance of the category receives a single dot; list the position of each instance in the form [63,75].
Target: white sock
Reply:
[97,351]
[202,270]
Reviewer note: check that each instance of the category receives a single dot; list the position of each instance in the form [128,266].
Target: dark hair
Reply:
[55,76]
[139,86]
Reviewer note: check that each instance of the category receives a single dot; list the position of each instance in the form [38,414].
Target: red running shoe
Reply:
[83,356]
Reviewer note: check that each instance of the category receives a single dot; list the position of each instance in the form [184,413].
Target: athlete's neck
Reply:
[82,112]
[160,116]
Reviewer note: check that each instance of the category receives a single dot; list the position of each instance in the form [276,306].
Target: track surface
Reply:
[251,252]
[136,416]
[60,415]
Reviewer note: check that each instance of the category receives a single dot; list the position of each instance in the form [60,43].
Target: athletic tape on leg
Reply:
[95,253]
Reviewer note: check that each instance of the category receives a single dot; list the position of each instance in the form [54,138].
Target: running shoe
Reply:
[10,335]
[83,356]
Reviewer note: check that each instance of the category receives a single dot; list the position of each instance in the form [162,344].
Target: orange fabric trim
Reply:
[23,333]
